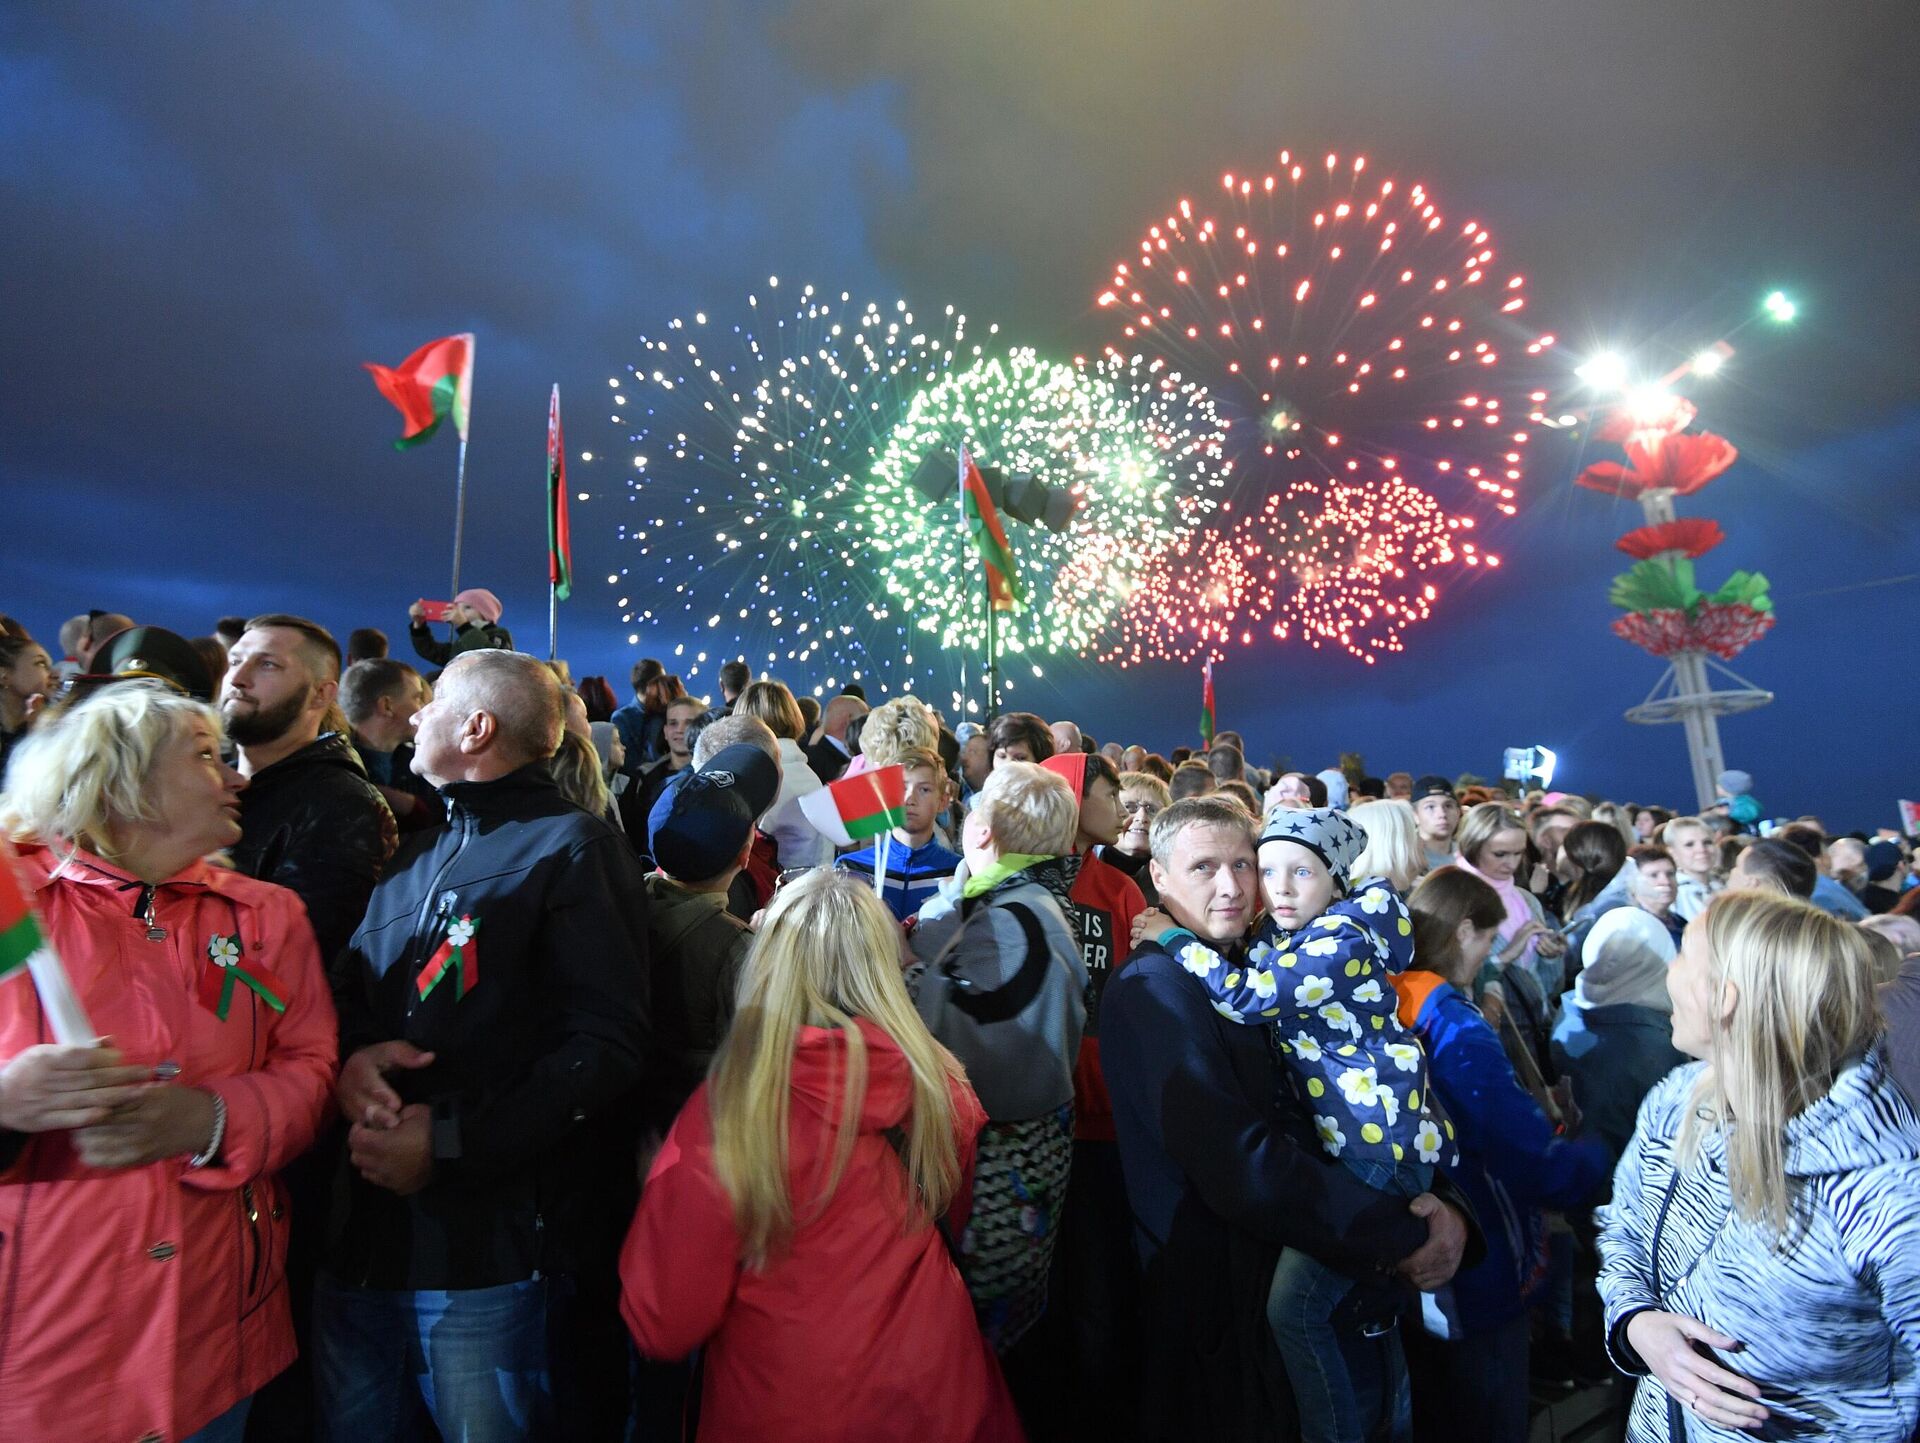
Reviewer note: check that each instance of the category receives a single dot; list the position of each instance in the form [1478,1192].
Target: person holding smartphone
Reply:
[475,617]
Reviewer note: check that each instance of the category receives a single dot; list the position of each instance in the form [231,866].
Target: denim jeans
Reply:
[1349,1388]
[474,1362]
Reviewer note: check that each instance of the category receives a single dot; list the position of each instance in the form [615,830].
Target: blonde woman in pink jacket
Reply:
[142,1230]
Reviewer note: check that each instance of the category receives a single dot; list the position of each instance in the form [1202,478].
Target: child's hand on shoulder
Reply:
[1151,925]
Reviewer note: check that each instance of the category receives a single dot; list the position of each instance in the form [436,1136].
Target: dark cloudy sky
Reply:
[215,212]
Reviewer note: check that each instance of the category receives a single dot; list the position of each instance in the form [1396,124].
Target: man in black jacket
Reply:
[492,1013]
[310,821]
[1222,1170]
[309,818]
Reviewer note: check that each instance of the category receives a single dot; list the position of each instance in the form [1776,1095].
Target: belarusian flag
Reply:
[559,539]
[434,382]
[19,933]
[858,807]
[1206,702]
[983,525]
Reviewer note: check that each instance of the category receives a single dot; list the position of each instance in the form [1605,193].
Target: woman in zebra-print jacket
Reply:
[1762,1250]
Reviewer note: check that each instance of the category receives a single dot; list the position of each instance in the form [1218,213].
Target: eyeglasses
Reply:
[1142,804]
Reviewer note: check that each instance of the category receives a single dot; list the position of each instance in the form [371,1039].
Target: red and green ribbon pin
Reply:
[455,955]
[224,972]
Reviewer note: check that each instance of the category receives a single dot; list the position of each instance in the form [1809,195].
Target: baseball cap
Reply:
[1432,786]
[705,816]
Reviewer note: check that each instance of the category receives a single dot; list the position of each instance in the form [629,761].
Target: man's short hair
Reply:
[731,731]
[71,632]
[644,671]
[696,705]
[365,682]
[734,676]
[235,626]
[521,693]
[1227,762]
[1021,726]
[365,643]
[1787,866]
[317,646]
[1808,839]
[1029,809]
[1192,779]
[1213,811]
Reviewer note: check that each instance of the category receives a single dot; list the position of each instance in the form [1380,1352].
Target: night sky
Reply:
[216,212]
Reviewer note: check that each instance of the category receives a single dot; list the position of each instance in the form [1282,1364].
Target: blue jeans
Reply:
[474,1362]
[1349,1388]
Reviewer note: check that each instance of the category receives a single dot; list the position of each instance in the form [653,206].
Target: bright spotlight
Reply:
[1605,372]
[1781,307]
[1708,362]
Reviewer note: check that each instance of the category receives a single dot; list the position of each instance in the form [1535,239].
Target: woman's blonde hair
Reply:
[1482,824]
[773,704]
[897,726]
[1029,810]
[78,777]
[1149,784]
[828,953]
[1804,1008]
[576,770]
[1393,844]
[1619,818]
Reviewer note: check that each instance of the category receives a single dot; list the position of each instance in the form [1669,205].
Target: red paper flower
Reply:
[1644,421]
[1681,464]
[1695,536]
[1725,630]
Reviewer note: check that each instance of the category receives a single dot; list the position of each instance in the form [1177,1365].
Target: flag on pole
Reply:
[1206,702]
[559,538]
[983,525]
[433,383]
[858,807]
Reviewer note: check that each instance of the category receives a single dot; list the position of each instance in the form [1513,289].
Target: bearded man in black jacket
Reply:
[492,1014]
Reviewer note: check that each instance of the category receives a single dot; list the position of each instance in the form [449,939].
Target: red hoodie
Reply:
[1105,900]
[859,1329]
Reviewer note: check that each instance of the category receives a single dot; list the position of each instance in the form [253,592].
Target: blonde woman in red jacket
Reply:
[142,1231]
[788,1225]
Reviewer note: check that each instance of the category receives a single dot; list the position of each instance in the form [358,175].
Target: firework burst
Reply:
[1373,357]
[750,448]
[1137,446]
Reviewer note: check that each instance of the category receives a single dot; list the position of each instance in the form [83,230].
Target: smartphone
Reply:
[433,610]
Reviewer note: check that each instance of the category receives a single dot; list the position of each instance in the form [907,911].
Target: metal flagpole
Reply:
[459,516]
[553,621]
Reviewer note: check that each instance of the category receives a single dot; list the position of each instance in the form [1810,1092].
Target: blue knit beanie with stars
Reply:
[1330,834]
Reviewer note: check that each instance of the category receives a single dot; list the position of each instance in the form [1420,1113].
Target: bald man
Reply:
[493,1009]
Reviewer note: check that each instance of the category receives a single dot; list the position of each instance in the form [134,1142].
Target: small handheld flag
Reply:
[983,525]
[559,538]
[24,948]
[433,383]
[858,807]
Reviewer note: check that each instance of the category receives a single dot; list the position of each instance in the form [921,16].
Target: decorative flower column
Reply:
[1665,612]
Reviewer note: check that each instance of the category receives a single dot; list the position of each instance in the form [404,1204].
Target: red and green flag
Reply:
[1206,702]
[19,933]
[859,807]
[433,383]
[559,538]
[983,525]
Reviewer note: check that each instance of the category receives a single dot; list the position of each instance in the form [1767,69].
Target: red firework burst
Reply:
[1375,357]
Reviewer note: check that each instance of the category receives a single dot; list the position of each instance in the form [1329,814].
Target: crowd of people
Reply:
[480,1056]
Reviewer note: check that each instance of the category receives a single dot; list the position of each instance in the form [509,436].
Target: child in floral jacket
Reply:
[1318,970]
